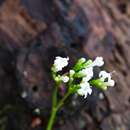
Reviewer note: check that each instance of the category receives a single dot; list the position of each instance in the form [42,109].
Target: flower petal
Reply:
[60,63]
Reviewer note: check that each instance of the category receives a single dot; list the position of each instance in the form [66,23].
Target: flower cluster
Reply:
[83,73]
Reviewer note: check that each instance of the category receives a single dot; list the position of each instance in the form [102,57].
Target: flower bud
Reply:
[98,83]
[65,79]
[79,64]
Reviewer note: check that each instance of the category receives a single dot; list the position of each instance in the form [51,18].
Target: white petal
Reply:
[88,73]
[111,83]
[60,63]
[65,79]
[85,89]
[98,62]
[103,75]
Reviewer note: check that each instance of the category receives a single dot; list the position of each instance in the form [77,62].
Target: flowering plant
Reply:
[83,71]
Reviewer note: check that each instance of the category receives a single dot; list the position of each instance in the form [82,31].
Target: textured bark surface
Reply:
[33,32]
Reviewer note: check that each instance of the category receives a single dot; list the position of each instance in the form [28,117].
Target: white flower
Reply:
[65,79]
[85,89]
[60,63]
[97,62]
[87,72]
[106,78]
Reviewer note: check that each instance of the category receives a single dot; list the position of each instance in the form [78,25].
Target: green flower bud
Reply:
[53,69]
[98,83]
[79,64]
[89,62]
[74,88]
[71,73]
[57,78]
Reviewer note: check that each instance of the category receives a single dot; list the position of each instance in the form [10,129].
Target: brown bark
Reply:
[33,36]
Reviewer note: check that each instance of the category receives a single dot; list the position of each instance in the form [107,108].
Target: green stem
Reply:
[54,98]
[51,120]
[61,102]
[54,110]
[56,107]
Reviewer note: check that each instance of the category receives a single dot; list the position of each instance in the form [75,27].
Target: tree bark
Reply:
[33,32]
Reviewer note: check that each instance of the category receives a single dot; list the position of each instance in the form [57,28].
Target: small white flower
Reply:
[103,75]
[111,83]
[87,72]
[97,62]
[85,89]
[60,63]
[65,79]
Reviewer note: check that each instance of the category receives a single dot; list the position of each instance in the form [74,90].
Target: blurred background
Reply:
[33,32]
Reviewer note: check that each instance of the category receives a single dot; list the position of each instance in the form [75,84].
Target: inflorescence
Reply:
[83,71]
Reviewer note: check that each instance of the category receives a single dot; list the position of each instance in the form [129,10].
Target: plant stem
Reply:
[61,102]
[55,107]
[54,98]
[51,120]
[54,110]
